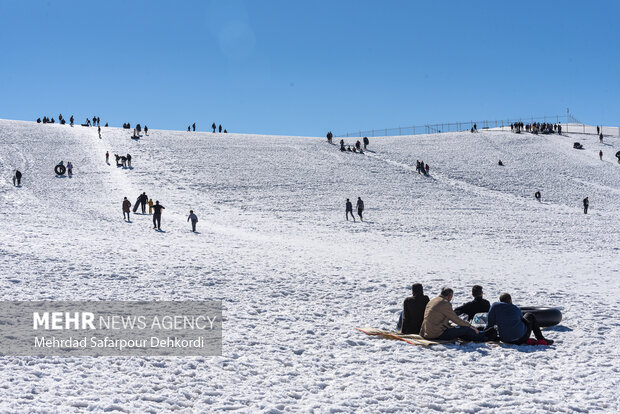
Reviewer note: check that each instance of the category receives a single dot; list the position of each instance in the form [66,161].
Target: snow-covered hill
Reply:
[296,278]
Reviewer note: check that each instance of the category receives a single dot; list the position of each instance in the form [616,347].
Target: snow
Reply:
[296,278]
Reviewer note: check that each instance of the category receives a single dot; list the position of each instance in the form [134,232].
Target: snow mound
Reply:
[296,278]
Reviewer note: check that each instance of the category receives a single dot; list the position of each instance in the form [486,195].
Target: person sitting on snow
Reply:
[478,305]
[437,318]
[413,310]
[514,327]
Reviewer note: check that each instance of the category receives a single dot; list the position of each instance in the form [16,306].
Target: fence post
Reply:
[385,132]
[584,128]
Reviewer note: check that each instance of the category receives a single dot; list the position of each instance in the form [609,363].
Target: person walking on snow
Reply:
[365,142]
[107,157]
[220,128]
[17,178]
[360,208]
[194,220]
[146,130]
[600,137]
[150,206]
[194,126]
[586,204]
[349,210]
[69,168]
[143,200]
[157,215]
[600,155]
[128,160]
[126,208]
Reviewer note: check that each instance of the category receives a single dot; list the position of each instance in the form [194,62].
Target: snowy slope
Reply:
[296,278]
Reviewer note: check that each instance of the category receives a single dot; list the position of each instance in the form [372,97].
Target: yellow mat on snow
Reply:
[409,338]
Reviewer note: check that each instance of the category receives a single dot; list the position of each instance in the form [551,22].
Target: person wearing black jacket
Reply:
[157,215]
[17,178]
[478,305]
[143,200]
[349,210]
[413,310]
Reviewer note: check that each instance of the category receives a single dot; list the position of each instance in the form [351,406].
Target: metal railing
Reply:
[569,124]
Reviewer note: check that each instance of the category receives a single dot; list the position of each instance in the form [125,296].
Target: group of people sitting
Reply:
[356,148]
[431,318]
[536,127]
[47,120]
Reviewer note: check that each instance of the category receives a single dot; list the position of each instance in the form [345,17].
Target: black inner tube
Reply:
[60,169]
[545,316]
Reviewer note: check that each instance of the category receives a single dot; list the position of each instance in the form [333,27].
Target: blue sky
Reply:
[303,68]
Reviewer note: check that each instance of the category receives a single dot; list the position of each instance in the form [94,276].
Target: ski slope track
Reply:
[295,278]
